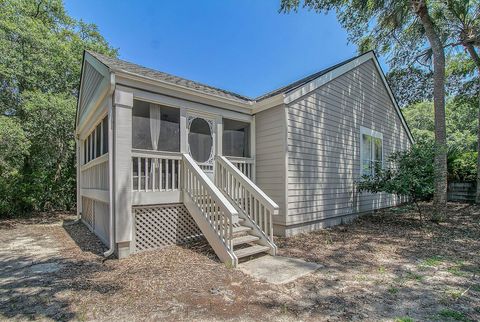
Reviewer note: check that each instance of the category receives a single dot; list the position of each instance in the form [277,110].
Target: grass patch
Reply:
[414,276]
[457,269]
[404,319]
[453,293]
[453,315]
[475,288]
[382,270]
[433,261]
[392,290]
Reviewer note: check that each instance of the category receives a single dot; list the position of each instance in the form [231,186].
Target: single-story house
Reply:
[164,160]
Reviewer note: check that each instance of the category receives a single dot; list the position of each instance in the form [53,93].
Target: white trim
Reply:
[322,80]
[373,134]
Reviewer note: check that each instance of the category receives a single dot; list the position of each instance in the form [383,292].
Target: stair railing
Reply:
[217,215]
[248,197]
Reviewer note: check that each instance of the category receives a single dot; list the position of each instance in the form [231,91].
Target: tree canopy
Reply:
[41,50]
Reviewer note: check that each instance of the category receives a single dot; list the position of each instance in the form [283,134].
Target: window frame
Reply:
[374,135]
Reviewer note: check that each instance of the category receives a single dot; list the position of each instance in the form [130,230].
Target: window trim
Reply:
[376,135]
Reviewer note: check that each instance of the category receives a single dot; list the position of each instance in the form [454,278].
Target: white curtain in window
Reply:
[155,117]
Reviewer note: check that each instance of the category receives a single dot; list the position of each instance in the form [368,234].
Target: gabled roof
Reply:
[286,93]
[116,64]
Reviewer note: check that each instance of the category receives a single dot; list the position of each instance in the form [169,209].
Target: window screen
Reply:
[146,121]
[236,138]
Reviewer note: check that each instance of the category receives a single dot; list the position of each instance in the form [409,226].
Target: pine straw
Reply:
[376,268]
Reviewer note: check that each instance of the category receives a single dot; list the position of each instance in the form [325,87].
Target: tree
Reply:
[462,19]
[408,30]
[41,50]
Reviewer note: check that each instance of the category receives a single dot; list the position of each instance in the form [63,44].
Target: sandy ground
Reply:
[389,266]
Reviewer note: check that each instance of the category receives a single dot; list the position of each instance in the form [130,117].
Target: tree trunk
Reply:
[474,55]
[440,163]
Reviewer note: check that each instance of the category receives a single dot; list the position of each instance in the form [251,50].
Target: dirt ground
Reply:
[388,266]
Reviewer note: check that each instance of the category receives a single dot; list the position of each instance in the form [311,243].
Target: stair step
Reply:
[241,229]
[244,239]
[244,252]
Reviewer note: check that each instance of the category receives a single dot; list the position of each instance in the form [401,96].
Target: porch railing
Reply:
[251,200]
[94,174]
[156,171]
[245,165]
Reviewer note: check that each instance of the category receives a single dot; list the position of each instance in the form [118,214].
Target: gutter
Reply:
[111,194]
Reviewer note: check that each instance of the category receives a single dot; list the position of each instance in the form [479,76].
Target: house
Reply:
[164,160]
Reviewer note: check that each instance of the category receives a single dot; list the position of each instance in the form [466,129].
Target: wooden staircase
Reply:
[234,215]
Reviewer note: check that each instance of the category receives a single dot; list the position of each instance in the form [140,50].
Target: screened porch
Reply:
[162,134]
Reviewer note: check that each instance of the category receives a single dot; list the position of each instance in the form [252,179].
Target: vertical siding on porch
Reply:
[270,156]
[324,145]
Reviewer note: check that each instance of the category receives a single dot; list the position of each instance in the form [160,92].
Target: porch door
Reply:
[201,141]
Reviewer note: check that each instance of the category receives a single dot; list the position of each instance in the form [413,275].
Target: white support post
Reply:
[123,171]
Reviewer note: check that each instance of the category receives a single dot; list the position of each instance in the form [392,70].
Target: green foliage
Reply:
[410,174]
[453,315]
[41,51]
[461,131]
[14,146]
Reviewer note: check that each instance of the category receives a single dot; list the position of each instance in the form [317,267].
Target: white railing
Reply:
[245,165]
[251,200]
[156,171]
[94,174]
[213,213]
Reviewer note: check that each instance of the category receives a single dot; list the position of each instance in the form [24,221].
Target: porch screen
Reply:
[155,127]
[236,138]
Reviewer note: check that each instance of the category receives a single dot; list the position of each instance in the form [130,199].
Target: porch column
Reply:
[123,102]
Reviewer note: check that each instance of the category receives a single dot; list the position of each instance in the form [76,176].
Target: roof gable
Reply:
[285,94]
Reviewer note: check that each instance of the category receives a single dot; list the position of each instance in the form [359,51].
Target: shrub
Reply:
[410,173]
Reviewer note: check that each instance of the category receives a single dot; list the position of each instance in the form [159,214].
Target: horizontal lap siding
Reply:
[270,156]
[323,143]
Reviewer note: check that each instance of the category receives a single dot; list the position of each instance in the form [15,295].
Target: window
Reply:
[155,127]
[105,135]
[236,138]
[96,143]
[98,140]
[371,151]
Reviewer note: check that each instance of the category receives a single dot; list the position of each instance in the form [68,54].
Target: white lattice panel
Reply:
[159,226]
[87,211]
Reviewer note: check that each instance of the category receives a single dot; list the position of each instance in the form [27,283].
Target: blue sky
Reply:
[245,46]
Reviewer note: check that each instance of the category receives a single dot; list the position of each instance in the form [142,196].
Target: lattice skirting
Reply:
[87,211]
[163,225]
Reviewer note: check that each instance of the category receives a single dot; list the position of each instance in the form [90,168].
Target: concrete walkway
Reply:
[277,269]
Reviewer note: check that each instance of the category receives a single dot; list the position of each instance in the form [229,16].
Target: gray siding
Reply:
[270,132]
[324,145]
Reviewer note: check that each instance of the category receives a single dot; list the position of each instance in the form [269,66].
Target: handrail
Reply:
[213,208]
[212,189]
[246,181]
[250,199]
[245,165]
[156,154]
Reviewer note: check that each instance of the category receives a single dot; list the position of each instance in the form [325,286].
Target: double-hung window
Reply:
[371,151]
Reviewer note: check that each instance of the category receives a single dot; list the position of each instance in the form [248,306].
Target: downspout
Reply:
[111,154]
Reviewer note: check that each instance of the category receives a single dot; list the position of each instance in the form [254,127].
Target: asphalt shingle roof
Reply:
[121,65]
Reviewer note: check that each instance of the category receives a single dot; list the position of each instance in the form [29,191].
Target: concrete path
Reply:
[277,269]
